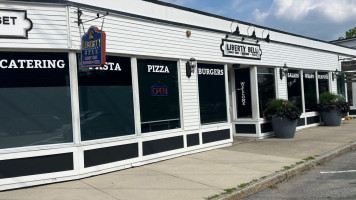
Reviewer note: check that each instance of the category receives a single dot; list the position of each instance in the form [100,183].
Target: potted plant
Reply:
[283,116]
[332,109]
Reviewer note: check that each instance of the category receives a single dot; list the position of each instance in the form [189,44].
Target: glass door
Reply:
[243,93]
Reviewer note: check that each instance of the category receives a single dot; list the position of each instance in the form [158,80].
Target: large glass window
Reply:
[212,95]
[340,81]
[294,88]
[323,82]
[349,93]
[309,81]
[159,95]
[105,99]
[243,93]
[35,99]
[266,87]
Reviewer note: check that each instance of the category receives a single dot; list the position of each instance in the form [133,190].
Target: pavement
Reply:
[216,174]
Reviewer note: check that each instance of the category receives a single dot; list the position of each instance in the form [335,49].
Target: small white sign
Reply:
[236,49]
[14,24]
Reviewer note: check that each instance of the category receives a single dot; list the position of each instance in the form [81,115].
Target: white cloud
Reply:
[260,16]
[296,10]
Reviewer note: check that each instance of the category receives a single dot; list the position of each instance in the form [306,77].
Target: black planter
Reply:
[284,128]
[331,118]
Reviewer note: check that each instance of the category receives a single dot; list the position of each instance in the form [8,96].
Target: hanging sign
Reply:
[236,49]
[93,48]
[348,66]
[14,24]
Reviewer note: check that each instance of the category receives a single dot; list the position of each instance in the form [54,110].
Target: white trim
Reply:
[136,96]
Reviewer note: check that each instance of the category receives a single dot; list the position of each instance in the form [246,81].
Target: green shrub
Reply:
[282,108]
[330,102]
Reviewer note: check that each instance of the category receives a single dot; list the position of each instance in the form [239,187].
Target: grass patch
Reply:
[255,180]
[213,197]
[228,191]
[309,158]
[300,162]
[287,167]
[263,177]
[243,185]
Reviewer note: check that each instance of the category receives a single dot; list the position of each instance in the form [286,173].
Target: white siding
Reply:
[130,36]
[190,99]
[49,31]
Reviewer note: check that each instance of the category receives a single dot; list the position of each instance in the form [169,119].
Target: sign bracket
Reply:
[80,21]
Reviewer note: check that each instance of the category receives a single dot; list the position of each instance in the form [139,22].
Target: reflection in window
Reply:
[341,85]
[266,87]
[105,99]
[349,93]
[323,82]
[212,95]
[309,81]
[159,95]
[294,88]
[35,99]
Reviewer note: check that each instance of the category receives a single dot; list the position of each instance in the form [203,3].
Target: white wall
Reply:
[49,29]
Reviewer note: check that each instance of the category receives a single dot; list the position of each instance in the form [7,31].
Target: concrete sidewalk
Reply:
[200,175]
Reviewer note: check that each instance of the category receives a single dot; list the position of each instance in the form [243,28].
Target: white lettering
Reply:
[61,64]
[2,63]
[158,69]
[51,63]
[38,64]
[12,64]
[117,67]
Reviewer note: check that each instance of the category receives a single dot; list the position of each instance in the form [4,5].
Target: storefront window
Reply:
[159,95]
[349,93]
[243,93]
[105,99]
[212,95]
[323,82]
[309,81]
[341,85]
[35,99]
[266,87]
[294,88]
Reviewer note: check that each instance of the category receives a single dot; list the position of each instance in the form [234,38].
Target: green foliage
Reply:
[309,158]
[330,102]
[282,108]
[349,34]
[213,197]
[328,97]
[228,191]
[243,185]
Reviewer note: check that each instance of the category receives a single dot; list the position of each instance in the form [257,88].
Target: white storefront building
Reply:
[151,101]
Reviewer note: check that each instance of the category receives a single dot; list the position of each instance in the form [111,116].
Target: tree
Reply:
[349,34]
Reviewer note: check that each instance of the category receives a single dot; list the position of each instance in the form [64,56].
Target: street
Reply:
[334,180]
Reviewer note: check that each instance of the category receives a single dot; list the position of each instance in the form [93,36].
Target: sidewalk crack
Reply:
[99,190]
[184,179]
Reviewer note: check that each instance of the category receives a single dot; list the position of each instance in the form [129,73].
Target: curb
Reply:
[279,177]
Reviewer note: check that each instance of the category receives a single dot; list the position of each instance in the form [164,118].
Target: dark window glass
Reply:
[35,99]
[323,82]
[159,95]
[266,87]
[212,95]
[243,93]
[341,85]
[349,94]
[310,90]
[105,99]
[294,88]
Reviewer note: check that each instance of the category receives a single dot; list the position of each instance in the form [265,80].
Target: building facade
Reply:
[151,101]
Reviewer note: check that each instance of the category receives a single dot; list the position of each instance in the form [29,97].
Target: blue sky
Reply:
[321,19]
